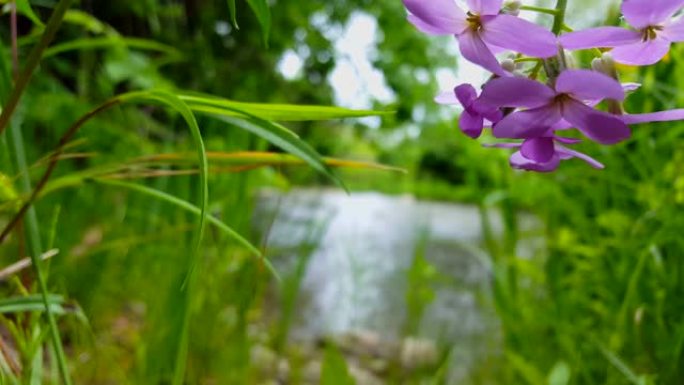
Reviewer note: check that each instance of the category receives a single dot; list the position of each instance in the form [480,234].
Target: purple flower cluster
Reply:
[517,105]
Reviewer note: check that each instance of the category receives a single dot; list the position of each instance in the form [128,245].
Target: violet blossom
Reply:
[544,153]
[654,31]
[481,29]
[546,106]
[472,119]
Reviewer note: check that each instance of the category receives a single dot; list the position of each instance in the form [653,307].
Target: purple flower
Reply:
[472,120]
[547,106]
[654,32]
[544,153]
[481,29]
[660,116]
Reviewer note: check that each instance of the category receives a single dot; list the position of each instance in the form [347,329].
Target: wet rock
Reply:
[417,353]
[264,359]
[364,377]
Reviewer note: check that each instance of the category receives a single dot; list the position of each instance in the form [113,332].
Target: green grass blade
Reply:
[111,42]
[256,159]
[24,8]
[171,100]
[32,303]
[621,366]
[187,206]
[177,104]
[233,13]
[263,14]
[88,21]
[286,140]
[276,112]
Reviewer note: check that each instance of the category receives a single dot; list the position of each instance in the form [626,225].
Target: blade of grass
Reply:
[630,376]
[189,207]
[233,13]
[177,104]
[254,158]
[285,140]
[23,264]
[24,8]
[32,303]
[108,42]
[32,62]
[277,112]
[189,285]
[36,248]
[263,14]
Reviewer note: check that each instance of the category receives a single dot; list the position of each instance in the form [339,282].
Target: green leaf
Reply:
[233,13]
[560,374]
[274,133]
[277,112]
[24,8]
[111,42]
[256,159]
[286,140]
[177,104]
[189,207]
[88,21]
[263,15]
[31,303]
[334,370]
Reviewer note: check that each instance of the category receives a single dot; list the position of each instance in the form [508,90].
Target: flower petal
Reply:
[516,92]
[484,7]
[470,124]
[674,31]
[642,53]
[566,153]
[466,94]
[538,149]
[597,125]
[518,160]
[629,87]
[475,50]
[527,124]
[437,16]
[644,13]
[562,139]
[493,115]
[660,116]
[518,35]
[599,37]
[589,85]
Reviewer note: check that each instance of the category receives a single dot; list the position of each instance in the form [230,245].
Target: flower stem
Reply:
[532,8]
[32,62]
[559,20]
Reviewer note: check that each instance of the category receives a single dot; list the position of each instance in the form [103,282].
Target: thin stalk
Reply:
[15,47]
[36,250]
[32,62]
[555,65]
[54,159]
[559,19]
[547,11]
[21,80]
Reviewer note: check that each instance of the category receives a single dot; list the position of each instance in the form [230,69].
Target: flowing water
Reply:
[375,260]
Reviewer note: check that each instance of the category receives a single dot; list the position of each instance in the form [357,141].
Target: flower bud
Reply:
[512,7]
[570,61]
[508,64]
[608,63]
[597,65]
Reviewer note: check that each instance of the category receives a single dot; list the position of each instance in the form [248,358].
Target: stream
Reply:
[389,265]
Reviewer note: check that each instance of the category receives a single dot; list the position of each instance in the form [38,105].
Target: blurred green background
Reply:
[599,301]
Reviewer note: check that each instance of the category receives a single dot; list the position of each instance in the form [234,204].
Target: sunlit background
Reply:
[439,265]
